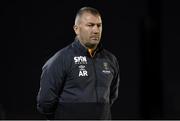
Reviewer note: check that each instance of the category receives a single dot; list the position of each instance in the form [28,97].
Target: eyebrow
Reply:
[94,23]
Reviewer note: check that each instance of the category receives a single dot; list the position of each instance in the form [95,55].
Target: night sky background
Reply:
[143,34]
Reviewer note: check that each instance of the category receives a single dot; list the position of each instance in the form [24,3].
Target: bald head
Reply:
[83,10]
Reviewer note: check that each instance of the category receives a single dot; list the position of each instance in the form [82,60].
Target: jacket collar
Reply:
[83,49]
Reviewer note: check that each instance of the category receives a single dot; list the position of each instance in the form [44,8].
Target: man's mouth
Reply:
[94,38]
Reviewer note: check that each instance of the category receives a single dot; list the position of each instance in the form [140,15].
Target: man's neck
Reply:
[91,50]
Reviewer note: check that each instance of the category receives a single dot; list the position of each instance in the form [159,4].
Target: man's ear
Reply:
[75,27]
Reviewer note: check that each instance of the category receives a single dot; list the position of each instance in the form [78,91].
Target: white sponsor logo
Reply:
[80,60]
[106,71]
[82,71]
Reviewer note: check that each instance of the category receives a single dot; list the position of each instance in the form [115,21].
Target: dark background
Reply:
[143,34]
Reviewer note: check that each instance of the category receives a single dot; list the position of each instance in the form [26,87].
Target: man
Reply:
[81,80]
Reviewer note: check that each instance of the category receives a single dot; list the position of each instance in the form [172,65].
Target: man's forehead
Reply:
[90,18]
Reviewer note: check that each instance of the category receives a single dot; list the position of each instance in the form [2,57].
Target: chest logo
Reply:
[80,60]
[82,71]
[106,68]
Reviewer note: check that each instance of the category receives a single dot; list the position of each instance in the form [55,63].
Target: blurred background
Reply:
[143,34]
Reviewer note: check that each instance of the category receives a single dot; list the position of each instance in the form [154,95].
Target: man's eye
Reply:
[99,25]
[90,25]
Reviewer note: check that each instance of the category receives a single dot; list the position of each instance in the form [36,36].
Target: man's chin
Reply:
[92,45]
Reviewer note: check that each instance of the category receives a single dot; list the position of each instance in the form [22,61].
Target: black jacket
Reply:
[74,84]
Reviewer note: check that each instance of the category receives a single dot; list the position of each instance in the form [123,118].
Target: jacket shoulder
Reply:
[59,56]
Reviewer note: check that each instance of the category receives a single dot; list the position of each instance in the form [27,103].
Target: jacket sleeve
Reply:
[115,84]
[51,84]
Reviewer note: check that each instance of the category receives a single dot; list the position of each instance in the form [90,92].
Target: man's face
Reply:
[89,30]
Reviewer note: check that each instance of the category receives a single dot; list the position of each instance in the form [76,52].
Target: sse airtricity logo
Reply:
[80,60]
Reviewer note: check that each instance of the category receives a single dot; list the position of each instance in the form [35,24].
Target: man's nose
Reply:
[96,29]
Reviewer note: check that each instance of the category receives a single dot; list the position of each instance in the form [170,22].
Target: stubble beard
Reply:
[92,45]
